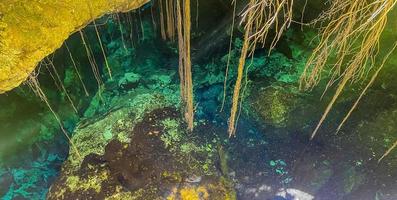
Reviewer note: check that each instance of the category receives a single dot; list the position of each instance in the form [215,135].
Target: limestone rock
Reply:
[31,30]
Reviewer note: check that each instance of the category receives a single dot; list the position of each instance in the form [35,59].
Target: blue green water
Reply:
[271,150]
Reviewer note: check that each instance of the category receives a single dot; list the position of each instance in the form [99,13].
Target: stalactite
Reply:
[35,86]
[61,84]
[76,70]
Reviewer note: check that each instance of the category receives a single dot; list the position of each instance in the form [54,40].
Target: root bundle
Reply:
[352,36]
[259,18]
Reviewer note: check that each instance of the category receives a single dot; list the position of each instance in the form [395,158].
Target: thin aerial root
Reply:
[129,18]
[329,107]
[162,20]
[99,40]
[388,152]
[197,14]
[62,86]
[92,62]
[352,36]
[141,23]
[103,50]
[373,78]
[101,85]
[35,86]
[240,73]
[259,17]
[77,71]
[94,68]
[153,20]
[121,31]
[228,57]
[52,76]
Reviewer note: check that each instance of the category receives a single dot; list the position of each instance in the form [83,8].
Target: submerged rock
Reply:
[273,104]
[154,159]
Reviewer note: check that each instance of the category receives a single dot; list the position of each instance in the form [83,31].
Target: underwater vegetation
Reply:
[191,99]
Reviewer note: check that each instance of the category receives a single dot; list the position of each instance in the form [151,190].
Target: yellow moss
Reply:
[191,193]
[119,194]
[92,182]
[32,29]
[172,176]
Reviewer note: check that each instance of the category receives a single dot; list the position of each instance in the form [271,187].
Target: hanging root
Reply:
[35,86]
[267,15]
[162,20]
[141,23]
[77,71]
[52,76]
[352,37]
[103,50]
[366,87]
[197,14]
[185,65]
[61,84]
[131,34]
[388,152]
[99,40]
[228,56]
[167,19]
[92,62]
[121,32]
[240,71]
[259,18]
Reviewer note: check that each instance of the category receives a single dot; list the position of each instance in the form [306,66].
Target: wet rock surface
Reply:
[141,169]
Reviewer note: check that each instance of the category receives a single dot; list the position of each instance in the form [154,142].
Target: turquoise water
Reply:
[271,151]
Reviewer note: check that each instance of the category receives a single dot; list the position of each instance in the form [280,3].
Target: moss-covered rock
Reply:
[273,104]
[155,159]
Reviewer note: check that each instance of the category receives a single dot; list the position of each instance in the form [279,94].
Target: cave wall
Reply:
[30,30]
